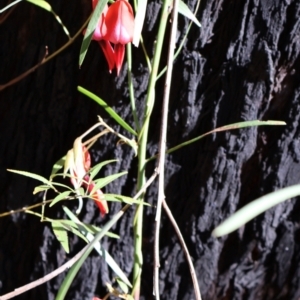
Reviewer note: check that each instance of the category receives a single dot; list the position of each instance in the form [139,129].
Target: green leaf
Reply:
[132,143]
[61,185]
[96,169]
[31,175]
[94,230]
[72,227]
[61,234]
[90,29]
[122,285]
[61,196]
[58,165]
[86,227]
[124,199]
[238,125]
[75,268]
[108,109]
[254,208]
[106,256]
[41,3]
[185,11]
[100,183]
[40,188]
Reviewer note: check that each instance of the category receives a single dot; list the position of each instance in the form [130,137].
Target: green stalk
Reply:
[130,85]
[143,139]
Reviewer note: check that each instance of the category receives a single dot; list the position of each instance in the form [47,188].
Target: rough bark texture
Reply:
[242,65]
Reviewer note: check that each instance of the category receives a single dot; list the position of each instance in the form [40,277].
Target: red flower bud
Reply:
[78,163]
[97,195]
[115,26]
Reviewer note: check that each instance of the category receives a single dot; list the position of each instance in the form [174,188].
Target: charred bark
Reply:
[243,64]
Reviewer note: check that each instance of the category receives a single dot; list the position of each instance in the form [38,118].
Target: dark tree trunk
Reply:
[242,65]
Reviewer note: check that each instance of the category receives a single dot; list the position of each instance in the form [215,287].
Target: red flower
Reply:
[115,27]
[119,22]
[78,162]
[97,195]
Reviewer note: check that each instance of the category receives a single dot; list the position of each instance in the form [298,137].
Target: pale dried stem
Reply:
[162,148]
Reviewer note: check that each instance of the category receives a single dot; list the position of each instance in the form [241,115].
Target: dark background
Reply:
[243,64]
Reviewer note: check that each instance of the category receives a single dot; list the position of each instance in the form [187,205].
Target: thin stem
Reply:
[146,55]
[90,130]
[162,148]
[185,250]
[44,279]
[130,85]
[162,72]
[24,208]
[143,139]
[9,5]
[66,45]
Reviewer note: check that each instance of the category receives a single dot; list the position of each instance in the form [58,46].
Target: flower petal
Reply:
[109,53]
[100,30]
[119,56]
[97,196]
[119,23]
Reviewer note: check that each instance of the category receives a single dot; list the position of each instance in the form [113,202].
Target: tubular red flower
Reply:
[119,23]
[115,26]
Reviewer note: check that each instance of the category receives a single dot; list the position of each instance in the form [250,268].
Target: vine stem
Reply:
[45,60]
[143,140]
[185,250]
[162,147]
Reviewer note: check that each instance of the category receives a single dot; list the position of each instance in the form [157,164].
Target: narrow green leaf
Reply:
[61,185]
[96,169]
[41,3]
[58,165]
[238,125]
[122,285]
[31,175]
[185,11]
[94,230]
[124,199]
[40,188]
[90,29]
[75,268]
[61,234]
[132,143]
[108,109]
[100,183]
[72,227]
[87,227]
[107,257]
[254,208]
[244,124]
[60,197]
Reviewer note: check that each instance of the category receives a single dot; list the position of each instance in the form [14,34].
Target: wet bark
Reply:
[243,64]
